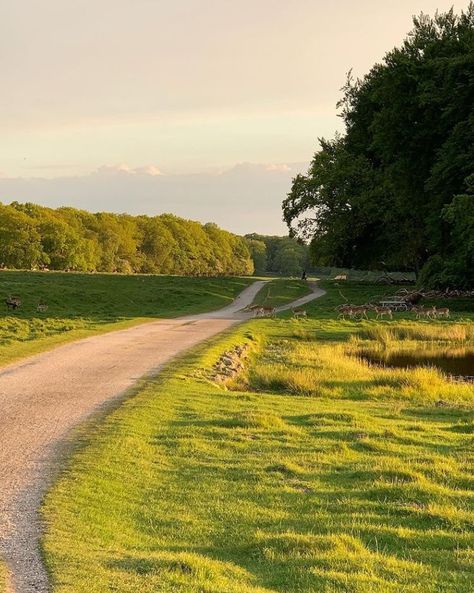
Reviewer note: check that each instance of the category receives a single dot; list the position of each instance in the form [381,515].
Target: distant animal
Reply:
[380,312]
[344,310]
[42,307]
[265,311]
[422,312]
[353,311]
[299,313]
[13,302]
[360,311]
[251,307]
[441,312]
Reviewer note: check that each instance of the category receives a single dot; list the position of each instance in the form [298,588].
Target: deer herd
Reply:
[360,311]
[355,312]
[344,311]
[262,311]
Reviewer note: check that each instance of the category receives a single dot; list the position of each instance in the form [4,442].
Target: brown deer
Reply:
[344,310]
[299,313]
[428,313]
[360,311]
[380,312]
[251,308]
[265,311]
[441,312]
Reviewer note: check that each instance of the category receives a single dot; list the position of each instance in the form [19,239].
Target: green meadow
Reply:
[309,471]
[83,304]
[281,291]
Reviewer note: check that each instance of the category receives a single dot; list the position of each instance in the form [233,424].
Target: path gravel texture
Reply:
[42,398]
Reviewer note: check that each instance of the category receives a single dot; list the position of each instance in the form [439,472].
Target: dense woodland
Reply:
[34,237]
[396,190]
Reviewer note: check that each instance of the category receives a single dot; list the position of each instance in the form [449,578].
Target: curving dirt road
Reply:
[43,397]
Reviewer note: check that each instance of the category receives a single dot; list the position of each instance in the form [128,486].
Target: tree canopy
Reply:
[34,237]
[277,255]
[396,189]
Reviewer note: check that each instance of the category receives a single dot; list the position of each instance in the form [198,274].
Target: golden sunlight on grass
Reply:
[310,471]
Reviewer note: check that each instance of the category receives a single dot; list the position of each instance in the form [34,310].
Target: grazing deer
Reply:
[299,313]
[42,307]
[13,302]
[381,311]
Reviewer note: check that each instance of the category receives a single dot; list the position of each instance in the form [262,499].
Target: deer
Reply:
[42,307]
[13,302]
[441,312]
[381,311]
[344,310]
[360,310]
[299,313]
[428,313]
[250,308]
[265,312]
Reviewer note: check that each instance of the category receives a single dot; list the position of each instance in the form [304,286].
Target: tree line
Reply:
[277,255]
[36,237]
[396,190]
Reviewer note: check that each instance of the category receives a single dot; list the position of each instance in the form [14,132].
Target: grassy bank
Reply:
[83,304]
[310,471]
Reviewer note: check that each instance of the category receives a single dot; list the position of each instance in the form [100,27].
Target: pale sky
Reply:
[199,107]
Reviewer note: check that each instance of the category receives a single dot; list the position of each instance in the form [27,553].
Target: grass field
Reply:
[310,471]
[281,291]
[82,304]
[3,583]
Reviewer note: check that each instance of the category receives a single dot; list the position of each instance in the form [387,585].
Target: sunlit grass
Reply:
[281,292]
[412,331]
[83,304]
[309,472]
[328,370]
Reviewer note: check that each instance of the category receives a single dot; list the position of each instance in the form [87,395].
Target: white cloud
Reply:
[244,198]
[123,168]
[151,170]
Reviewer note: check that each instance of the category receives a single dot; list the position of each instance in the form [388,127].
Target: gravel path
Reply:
[43,397]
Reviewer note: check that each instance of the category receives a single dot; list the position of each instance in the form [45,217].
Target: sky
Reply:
[203,108]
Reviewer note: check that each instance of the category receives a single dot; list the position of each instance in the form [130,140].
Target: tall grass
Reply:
[332,371]
[456,332]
